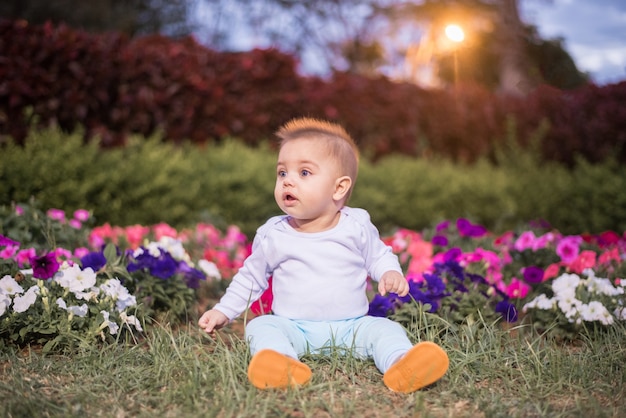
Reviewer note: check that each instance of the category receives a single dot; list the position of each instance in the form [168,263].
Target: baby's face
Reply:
[306,178]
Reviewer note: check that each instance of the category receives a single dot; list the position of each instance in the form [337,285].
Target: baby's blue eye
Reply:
[305,173]
[282,173]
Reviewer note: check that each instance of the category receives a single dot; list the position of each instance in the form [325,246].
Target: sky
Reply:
[594,33]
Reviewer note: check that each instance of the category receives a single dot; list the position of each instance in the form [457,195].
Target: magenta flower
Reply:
[440,240]
[532,274]
[23,256]
[568,248]
[81,215]
[468,229]
[441,226]
[56,214]
[44,267]
[525,241]
[4,241]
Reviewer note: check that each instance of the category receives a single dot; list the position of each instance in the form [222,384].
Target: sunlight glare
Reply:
[455,33]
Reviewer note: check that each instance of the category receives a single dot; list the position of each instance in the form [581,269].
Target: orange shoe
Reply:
[270,369]
[421,366]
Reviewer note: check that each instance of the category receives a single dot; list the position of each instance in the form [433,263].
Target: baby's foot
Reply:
[270,369]
[421,366]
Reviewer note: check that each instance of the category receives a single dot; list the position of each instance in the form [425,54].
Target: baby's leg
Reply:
[275,343]
[406,368]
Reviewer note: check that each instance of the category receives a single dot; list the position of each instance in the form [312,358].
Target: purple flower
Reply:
[164,266]
[507,310]
[532,274]
[4,241]
[440,240]
[95,260]
[442,225]
[191,275]
[44,267]
[452,254]
[468,229]
[380,306]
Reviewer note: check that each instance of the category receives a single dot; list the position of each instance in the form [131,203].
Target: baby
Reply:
[319,255]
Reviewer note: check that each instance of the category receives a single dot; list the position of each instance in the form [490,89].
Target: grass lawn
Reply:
[494,372]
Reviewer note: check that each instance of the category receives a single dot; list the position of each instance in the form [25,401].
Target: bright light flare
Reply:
[455,33]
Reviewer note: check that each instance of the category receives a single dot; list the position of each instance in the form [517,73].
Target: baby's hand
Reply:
[212,320]
[393,282]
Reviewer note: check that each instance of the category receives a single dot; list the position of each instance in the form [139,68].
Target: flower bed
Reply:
[64,283]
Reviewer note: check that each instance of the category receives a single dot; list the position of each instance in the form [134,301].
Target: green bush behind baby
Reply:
[230,183]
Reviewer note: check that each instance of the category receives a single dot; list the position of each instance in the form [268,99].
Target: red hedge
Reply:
[115,86]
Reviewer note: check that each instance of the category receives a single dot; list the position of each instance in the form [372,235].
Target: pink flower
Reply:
[75,223]
[164,230]
[586,259]
[23,256]
[504,240]
[525,241]
[80,252]
[19,211]
[100,234]
[9,251]
[544,240]
[81,215]
[608,256]
[56,214]
[135,235]
[551,271]
[568,248]
[517,289]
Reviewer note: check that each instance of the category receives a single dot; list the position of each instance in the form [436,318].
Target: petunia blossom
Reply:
[75,279]
[81,215]
[80,311]
[586,259]
[56,214]
[533,274]
[568,248]
[10,286]
[4,241]
[25,301]
[5,302]
[44,267]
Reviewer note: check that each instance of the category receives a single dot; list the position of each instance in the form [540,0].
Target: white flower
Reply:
[5,302]
[620,313]
[80,311]
[174,247]
[113,327]
[91,294]
[9,286]
[22,303]
[121,295]
[131,320]
[75,279]
[595,311]
[603,287]
[210,269]
[566,284]
[540,302]
[154,249]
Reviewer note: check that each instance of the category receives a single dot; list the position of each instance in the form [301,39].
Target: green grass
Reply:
[494,372]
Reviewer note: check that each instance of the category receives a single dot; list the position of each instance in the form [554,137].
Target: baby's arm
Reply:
[393,282]
[212,320]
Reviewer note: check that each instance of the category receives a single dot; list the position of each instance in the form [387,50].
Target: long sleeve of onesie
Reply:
[316,276]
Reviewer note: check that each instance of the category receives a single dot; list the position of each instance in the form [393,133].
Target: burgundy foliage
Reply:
[114,86]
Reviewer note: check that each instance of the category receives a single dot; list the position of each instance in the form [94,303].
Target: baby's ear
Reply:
[342,187]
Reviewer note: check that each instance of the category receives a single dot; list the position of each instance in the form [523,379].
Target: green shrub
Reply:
[150,181]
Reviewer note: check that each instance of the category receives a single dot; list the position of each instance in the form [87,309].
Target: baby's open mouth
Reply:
[289,197]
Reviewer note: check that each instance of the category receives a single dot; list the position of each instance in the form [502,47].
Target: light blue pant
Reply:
[366,337]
